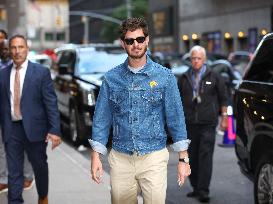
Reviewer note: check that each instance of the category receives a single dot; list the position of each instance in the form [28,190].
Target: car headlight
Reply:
[89,98]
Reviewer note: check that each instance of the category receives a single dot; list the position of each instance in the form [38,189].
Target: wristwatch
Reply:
[185,160]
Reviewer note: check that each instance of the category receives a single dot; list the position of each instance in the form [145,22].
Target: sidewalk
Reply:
[69,180]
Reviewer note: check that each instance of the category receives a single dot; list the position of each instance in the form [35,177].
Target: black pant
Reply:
[36,152]
[201,155]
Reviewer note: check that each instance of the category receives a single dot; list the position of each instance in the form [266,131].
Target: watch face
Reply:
[186,159]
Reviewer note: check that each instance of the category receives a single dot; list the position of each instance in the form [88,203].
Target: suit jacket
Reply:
[38,104]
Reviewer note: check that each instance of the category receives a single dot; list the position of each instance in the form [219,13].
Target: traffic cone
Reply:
[229,134]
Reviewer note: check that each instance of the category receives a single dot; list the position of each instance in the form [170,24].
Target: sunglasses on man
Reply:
[130,41]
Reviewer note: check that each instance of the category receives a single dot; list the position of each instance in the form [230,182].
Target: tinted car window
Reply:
[98,61]
[67,59]
[262,67]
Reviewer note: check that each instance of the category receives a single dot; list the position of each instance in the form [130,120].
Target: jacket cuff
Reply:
[55,132]
[98,147]
[181,145]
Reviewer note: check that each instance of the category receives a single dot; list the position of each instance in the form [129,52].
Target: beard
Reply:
[139,55]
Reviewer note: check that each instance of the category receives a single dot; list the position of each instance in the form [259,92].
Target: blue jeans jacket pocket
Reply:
[153,97]
[118,99]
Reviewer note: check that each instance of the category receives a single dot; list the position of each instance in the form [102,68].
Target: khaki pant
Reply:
[131,173]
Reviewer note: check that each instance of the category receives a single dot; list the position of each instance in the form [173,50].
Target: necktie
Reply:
[17,111]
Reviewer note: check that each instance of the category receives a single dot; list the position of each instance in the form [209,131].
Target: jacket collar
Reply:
[28,78]
[147,69]
[188,73]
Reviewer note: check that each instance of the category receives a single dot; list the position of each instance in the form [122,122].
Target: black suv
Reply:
[254,116]
[79,72]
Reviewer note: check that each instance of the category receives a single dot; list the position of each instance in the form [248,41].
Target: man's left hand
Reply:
[224,123]
[183,171]
[55,139]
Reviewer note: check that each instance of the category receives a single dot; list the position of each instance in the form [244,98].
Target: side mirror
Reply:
[63,69]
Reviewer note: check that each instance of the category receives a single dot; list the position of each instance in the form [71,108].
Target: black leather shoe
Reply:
[192,194]
[203,197]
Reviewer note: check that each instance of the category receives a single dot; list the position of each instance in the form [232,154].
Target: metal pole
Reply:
[95,15]
[129,8]
[85,20]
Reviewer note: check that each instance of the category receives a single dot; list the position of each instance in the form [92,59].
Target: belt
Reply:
[17,121]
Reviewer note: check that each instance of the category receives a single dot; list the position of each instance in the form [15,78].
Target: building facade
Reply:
[163,25]
[44,22]
[221,26]
[3,15]
[78,25]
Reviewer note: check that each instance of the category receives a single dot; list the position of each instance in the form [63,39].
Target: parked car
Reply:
[80,70]
[231,76]
[168,60]
[253,109]
[179,69]
[239,60]
[42,59]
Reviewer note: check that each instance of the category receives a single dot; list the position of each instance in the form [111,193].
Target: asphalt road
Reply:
[228,185]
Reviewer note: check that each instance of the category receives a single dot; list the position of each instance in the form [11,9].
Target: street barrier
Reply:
[229,134]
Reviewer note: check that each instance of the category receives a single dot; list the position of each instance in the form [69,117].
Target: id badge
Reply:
[198,99]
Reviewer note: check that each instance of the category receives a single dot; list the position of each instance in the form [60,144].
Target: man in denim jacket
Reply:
[137,98]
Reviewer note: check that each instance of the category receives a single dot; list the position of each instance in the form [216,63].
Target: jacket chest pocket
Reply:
[207,87]
[152,97]
[118,101]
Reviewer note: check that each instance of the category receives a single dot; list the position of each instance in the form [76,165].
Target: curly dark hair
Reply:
[132,24]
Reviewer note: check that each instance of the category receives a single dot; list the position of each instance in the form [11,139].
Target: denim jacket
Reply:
[137,106]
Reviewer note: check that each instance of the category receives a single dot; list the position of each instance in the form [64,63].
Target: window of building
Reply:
[212,41]
[252,39]
[228,45]
[3,15]
[51,36]
[186,45]
[61,36]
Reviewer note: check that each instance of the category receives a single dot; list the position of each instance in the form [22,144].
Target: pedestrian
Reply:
[137,98]
[5,59]
[29,118]
[28,172]
[3,35]
[204,97]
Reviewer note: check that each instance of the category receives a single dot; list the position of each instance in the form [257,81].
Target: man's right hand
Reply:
[96,167]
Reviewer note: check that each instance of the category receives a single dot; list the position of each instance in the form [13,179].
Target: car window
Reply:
[67,59]
[262,66]
[98,61]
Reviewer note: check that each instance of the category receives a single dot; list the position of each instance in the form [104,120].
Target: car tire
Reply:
[73,127]
[263,183]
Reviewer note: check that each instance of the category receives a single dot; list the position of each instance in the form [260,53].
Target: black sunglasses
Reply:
[130,41]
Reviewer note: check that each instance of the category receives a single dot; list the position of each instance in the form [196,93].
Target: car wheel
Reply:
[263,184]
[73,128]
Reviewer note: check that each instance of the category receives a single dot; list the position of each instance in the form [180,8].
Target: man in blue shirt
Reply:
[137,98]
